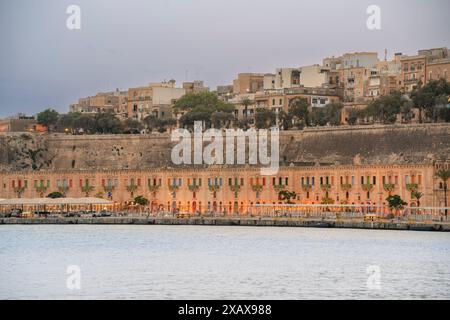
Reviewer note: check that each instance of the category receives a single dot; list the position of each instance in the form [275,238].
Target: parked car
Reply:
[44,214]
[102,214]
[72,214]
[15,213]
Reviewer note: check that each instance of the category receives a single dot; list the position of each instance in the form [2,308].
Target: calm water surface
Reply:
[193,262]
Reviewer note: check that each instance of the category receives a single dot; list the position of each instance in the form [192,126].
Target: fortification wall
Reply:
[395,144]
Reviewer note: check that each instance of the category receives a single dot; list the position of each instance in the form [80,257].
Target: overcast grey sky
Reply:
[131,43]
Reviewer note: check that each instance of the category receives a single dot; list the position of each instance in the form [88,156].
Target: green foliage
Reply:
[132,126]
[132,188]
[417,195]
[142,201]
[41,190]
[55,195]
[286,120]
[395,202]
[87,189]
[246,103]
[48,118]
[444,175]
[385,108]
[328,115]
[285,195]
[327,200]
[19,191]
[389,187]
[245,123]
[265,118]
[222,119]
[353,116]
[298,109]
[107,123]
[154,123]
[406,111]
[201,107]
[76,122]
[433,99]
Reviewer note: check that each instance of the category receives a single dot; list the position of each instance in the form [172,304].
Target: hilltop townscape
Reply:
[355,88]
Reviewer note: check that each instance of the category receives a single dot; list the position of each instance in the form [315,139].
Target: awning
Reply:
[59,201]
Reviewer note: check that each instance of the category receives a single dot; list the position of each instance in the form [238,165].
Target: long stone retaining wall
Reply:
[347,145]
[249,222]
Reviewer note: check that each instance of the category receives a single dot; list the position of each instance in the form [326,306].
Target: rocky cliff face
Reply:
[342,146]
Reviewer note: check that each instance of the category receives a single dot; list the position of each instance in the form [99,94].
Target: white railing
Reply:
[335,211]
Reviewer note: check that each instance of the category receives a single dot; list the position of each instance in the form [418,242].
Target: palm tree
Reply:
[132,189]
[41,190]
[417,195]
[19,191]
[246,103]
[87,189]
[444,175]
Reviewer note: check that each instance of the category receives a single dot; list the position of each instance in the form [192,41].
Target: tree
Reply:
[245,123]
[333,113]
[444,175]
[246,103]
[152,122]
[76,122]
[298,109]
[132,126]
[406,111]
[285,120]
[197,114]
[200,107]
[385,108]
[285,195]
[48,118]
[55,195]
[395,202]
[353,116]
[265,118]
[328,115]
[141,201]
[417,195]
[106,122]
[429,98]
[317,117]
[222,119]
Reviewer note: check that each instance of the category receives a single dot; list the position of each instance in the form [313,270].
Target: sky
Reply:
[131,43]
